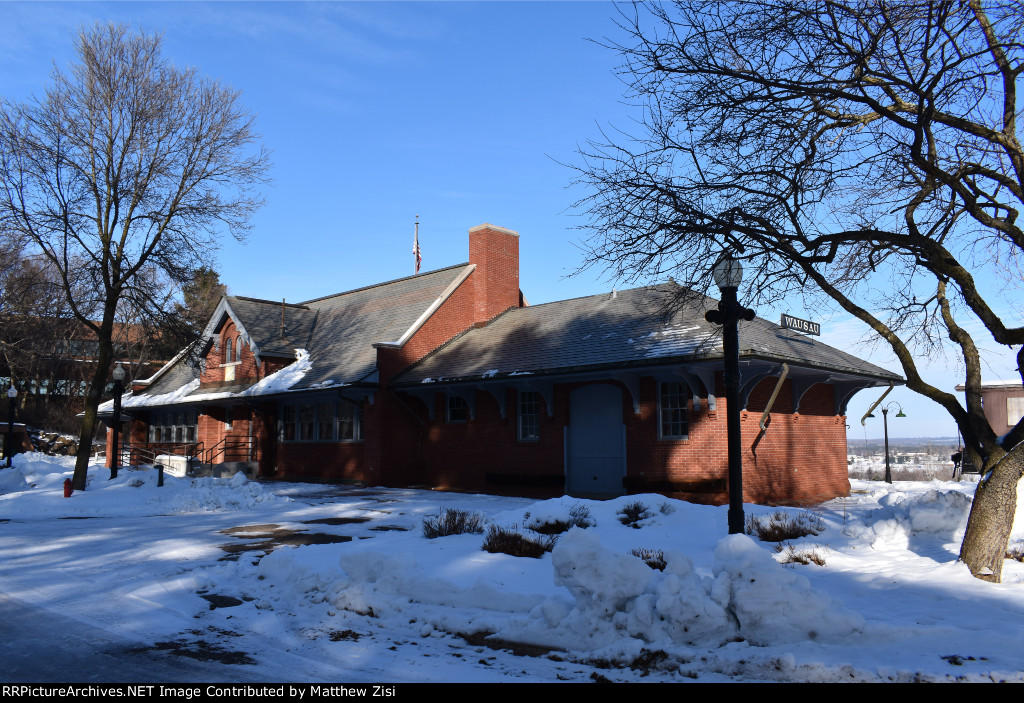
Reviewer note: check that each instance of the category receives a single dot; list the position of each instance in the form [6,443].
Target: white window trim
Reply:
[661,409]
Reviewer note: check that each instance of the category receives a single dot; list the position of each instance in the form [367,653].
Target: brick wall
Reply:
[244,367]
[799,459]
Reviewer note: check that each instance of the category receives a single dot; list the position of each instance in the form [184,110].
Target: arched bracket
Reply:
[425,396]
[803,384]
[692,382]
[499,395]
[545,388]
[467,394]
[706,374]
[843,392]
[632,383]
[751,378]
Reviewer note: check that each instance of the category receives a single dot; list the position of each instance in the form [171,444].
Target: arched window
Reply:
[238,349]
[229,345]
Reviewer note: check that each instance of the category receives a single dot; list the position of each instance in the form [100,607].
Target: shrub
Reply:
[780,526]
[805,556]
[509,540]
[579,516]
[453,521]
[633,514]
[654,558]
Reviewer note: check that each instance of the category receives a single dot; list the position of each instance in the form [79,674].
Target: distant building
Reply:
[449,379]
[1003,402]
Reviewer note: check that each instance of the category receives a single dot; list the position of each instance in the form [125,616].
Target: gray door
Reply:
[596,438]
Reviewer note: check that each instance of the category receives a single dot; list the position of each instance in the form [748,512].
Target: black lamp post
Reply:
[885,426]
[12,393]
[118,391]
[728,274]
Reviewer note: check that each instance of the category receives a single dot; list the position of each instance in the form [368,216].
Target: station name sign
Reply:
[805,326]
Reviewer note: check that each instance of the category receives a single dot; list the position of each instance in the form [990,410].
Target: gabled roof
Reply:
[634,328]
[338,332]
[268,327]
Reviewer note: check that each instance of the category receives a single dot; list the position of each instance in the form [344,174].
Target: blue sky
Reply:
[460,112]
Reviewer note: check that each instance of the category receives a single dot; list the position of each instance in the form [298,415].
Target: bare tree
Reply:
[866,150]
[126,162]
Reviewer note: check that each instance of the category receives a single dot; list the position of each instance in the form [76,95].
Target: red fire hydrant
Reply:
[68,490]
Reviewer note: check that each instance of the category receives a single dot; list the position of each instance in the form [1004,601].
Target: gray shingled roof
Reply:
[338,331]
[348,324]
[633,328]
[262,321]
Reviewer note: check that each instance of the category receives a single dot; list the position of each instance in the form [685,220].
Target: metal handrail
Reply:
[221,448]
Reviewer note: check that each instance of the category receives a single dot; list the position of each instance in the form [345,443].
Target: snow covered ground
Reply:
[300,583]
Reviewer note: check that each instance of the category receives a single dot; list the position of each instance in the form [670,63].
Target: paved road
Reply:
[38,645]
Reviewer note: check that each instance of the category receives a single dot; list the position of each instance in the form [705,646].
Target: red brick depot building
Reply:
[449,380]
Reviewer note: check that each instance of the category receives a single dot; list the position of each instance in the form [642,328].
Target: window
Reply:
[326,422]
[672,423]
[307,422]
[1014,410]
[529,415]
[238,349]
[457,410]
[178,426]
[229,345]
[348,421]
[288,423]
[320,421]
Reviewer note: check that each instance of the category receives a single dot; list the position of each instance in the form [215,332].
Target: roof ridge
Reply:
[301,306]
[384,283]
[607,293]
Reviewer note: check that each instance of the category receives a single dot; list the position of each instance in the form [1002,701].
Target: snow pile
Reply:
[618,596]
[12,480]
[935,512]
[773,604]
[216,494]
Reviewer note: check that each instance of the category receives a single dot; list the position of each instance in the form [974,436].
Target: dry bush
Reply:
[780,526]
[453,521]
[654,558]
[633,514]
[579,516]
[790,555]
[509,540]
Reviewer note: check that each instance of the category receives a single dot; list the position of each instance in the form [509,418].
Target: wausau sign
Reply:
[795,323]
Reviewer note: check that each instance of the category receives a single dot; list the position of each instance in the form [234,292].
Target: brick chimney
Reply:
[495,251]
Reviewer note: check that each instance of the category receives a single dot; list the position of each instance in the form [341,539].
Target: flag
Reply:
[416,247]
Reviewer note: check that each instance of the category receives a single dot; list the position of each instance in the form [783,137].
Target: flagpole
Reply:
[417,257]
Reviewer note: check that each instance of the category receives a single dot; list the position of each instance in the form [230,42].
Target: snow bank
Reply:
[216,494]
[133,492]
[935,512]
[772,604]
[618,596]
[12,480]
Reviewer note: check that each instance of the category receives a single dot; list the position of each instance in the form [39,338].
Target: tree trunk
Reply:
[92,399]
[991,520]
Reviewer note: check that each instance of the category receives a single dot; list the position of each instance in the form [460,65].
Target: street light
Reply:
[728,274]
[118,391]
[885,426]
[12,393]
